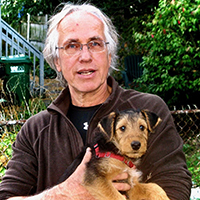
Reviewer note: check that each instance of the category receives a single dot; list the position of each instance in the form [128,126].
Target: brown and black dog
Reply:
[118,147]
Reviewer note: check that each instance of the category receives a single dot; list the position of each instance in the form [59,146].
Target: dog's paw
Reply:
[135,176]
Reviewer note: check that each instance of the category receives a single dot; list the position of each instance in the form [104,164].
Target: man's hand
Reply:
[74,186]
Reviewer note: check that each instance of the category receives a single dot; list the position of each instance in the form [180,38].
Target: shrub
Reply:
[170,44]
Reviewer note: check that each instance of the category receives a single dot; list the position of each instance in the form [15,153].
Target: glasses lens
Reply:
[72,47]
[96,46]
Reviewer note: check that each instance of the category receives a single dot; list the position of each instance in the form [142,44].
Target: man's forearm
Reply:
[66,190]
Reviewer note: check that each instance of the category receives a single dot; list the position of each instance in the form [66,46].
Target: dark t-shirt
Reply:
[80,117]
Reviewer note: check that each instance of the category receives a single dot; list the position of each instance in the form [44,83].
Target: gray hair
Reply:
[50,53]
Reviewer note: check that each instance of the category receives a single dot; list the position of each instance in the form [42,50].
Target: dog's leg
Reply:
[99,182]
[147,191]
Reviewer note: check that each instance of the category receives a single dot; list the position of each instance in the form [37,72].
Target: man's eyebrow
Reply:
[70,40]
[77,40]
[95,38]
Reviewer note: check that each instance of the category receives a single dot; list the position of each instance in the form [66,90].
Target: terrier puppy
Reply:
[117,148]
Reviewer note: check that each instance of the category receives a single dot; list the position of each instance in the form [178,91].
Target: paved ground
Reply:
[195,194]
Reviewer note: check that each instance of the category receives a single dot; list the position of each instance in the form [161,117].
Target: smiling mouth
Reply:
[86,72]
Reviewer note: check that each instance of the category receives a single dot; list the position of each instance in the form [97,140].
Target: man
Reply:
[81,46]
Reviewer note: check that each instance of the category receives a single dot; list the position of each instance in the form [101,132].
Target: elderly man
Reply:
[81,46]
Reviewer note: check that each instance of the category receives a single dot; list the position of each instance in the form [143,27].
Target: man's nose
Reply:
[85,54]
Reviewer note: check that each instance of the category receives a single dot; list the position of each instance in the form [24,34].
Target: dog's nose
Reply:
[135,145]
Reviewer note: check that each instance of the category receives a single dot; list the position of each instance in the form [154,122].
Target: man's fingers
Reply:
[121,186]
[121,176]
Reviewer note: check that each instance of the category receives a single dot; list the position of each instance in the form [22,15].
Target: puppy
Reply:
[117,148]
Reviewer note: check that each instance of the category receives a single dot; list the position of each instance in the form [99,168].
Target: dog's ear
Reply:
[107,124]
[151,118]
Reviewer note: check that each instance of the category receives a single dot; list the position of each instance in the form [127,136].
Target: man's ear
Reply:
[151,118]
[110,59]
[107,124]
[57,64]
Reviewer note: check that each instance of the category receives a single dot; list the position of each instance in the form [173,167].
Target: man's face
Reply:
[84,71]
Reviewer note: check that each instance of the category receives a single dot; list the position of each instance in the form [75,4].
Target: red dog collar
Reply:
[112,155]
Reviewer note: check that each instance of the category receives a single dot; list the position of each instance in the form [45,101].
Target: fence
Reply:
[35,29]
[187,122]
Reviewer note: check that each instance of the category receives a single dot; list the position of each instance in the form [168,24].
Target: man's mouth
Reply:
[86,72]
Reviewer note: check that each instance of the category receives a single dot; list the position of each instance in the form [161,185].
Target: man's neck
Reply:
[90,98]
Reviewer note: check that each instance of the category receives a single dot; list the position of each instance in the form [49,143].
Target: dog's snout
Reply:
[135,145]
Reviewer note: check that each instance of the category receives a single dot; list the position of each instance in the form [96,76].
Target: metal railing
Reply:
[12,43]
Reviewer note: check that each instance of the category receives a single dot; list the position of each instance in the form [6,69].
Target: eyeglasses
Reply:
[94,46]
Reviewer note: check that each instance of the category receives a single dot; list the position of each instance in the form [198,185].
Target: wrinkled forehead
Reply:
[79,19]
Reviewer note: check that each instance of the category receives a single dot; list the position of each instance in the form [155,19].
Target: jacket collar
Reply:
[62,102]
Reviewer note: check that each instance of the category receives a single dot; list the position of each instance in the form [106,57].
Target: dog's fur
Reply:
[122,133]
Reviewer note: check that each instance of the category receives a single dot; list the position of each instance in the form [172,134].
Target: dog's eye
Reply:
[122,128]
[142,127]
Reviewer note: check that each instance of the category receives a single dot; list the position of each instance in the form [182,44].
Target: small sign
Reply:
[17,69]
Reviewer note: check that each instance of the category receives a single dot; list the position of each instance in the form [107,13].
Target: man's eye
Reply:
[72,46]
[95,44]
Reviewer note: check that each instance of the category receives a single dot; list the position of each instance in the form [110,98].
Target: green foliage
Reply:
[6,141]
[48,71]
[193,161]
[13,11]
[170,44]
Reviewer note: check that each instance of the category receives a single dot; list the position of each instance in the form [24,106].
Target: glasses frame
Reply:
[81,47]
